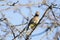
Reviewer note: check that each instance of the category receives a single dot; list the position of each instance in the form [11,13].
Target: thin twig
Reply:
[27,37]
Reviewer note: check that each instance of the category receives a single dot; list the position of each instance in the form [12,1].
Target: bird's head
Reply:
[37,13]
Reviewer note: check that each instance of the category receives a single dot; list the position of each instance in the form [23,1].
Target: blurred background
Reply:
[15,15]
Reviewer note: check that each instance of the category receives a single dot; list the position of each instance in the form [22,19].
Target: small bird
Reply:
[34,21]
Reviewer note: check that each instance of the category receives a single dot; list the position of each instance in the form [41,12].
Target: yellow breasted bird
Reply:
[34,21]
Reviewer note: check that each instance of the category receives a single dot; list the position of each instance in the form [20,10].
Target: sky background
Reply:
[15,18]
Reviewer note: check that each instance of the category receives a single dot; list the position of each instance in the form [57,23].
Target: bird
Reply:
[34,21]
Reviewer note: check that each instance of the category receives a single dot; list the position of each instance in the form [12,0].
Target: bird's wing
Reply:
[30,22]
[33,22]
